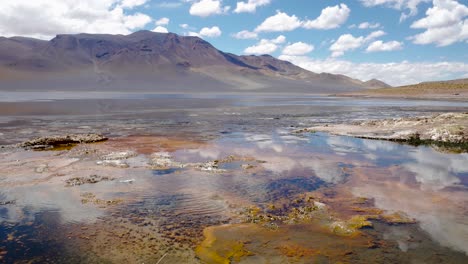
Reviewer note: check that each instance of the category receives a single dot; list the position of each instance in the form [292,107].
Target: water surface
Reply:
[275,196]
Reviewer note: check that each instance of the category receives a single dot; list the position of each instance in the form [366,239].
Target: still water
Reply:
[225,179]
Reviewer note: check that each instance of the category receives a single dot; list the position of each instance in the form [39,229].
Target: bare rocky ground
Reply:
[448,129]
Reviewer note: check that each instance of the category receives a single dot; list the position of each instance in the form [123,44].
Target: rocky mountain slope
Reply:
[148,61]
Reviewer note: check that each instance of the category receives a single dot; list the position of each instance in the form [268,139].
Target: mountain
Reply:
[149,61]
[376,84]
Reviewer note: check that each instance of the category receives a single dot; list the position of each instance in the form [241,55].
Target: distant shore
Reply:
[456,90]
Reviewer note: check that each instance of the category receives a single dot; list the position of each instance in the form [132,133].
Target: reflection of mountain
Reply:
[151,61]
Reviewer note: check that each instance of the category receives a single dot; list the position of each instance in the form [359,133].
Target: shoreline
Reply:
[446,131]
[403,97]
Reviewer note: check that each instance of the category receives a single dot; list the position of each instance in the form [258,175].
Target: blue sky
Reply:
[398,41]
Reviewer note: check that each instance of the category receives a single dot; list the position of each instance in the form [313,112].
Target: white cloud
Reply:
[348,42]
[331,17]
[184,26]
[394,73]
[263,47]
[160,29]
[193,34]
[297,49]
[245,34]
[445,23]
[384,46]
[169,4]
[279,22]
[410,5]
[132,3]
[204,8]
[344,43]
[212,32]
[46,18]
[250,6]
[136,21]
[279,40]
[366,25]
[266,46]
[374,35]
[162,22]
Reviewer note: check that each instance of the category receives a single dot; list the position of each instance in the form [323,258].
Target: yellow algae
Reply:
[398,218]
[297,251]
[215,251]
[303,243]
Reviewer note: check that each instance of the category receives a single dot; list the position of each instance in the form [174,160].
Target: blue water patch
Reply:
[165,171]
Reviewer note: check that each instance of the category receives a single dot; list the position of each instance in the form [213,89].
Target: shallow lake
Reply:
[224,178]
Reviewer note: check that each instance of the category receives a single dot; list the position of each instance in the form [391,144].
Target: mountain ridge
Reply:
[146,60]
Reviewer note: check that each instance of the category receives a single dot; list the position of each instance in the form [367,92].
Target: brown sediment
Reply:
[129,240]
[150,144]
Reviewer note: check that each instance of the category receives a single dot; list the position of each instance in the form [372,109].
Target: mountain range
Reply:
[149,61]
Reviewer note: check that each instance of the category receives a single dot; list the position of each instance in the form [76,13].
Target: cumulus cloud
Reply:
[445,23]
[279,22]
[160,29]
[245,34]
[265,46]
[279,40]
[162,21]
[344,43]
[366,25]
[348,42]
[331,17]
[250,6]
[297,49]
[46,18]
[212,32]
[205,8]
[384,46]
[410,5]
[394,73]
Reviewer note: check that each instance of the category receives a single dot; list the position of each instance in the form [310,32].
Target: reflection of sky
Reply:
[287,156]
[431,169]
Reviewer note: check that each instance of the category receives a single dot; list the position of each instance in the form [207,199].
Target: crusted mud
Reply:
[51,142]
[446,131]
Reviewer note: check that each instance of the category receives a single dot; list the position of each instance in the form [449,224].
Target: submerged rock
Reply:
[119,155]
[54,141]
[212,166]
[77,181]
[113,163]
[163,160]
